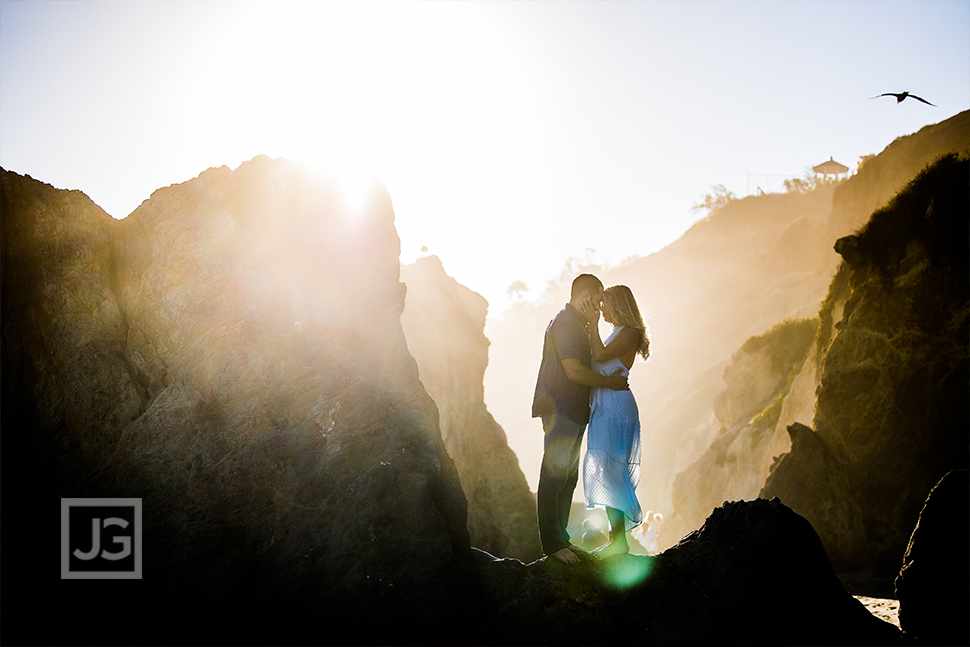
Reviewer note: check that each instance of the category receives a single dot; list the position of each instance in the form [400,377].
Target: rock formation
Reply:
[754,574]
[443,322]
[752,433]
[933,586]
[232,354]
[891,416]
[882,176]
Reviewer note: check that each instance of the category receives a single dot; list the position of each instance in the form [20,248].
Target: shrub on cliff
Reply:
[921,212]
[787,340]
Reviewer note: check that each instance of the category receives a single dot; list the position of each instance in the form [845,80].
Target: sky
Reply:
[511,136]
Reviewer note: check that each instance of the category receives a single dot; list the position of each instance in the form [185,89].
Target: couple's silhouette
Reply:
[583,381]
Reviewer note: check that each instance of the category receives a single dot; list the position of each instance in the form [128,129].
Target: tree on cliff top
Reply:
[517,289]
[713,201]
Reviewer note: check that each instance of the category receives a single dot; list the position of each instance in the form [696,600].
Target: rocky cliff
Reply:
[444,325]
[891,416]
[753,417]
[232,354]
[882,176]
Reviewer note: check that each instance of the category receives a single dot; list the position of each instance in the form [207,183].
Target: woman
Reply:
[611,469]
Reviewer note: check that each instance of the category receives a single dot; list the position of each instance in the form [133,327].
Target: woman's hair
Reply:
[626,312]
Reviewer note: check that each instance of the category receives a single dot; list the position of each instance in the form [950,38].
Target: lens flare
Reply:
[625,571]
[357,184]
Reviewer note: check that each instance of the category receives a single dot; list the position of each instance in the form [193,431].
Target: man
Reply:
[562,401]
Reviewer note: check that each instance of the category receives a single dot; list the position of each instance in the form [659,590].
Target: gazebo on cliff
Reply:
[831,167]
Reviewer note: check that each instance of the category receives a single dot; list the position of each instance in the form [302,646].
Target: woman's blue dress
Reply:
[611,469]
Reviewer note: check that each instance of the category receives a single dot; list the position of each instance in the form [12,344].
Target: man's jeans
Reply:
[557,479]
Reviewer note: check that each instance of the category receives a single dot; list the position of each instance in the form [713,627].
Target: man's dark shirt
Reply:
[555,393]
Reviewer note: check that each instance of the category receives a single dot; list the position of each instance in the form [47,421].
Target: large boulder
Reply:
[754,574]
[933,586]
[891,416]
[232,354]
[444,325]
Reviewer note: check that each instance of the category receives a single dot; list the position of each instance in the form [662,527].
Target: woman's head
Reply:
[620,308]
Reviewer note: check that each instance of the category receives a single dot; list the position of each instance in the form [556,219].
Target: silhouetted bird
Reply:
[901,96]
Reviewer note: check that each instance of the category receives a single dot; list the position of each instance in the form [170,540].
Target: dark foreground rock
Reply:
[755,573]
[933,586]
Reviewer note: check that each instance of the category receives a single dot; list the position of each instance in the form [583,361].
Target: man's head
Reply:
[586,283]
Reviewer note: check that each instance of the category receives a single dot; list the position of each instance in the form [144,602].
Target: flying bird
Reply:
[901,96]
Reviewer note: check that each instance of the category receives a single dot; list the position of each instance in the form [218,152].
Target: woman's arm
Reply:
[627,340]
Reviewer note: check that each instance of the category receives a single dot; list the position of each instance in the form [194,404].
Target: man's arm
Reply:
[578,373]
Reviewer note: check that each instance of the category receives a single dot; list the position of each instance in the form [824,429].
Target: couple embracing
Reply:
[583,381]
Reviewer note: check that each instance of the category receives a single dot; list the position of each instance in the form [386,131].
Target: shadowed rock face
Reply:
[891,416]
[232,354]
[443,322]
[933,587]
